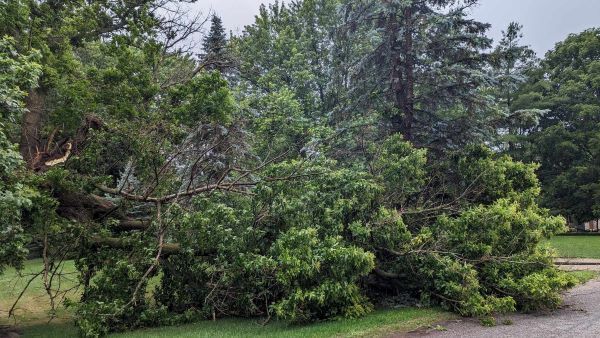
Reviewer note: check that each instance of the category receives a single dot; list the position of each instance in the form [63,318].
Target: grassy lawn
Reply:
[34,306]
[584,276]
[376,324]
[577,246]
[32,317]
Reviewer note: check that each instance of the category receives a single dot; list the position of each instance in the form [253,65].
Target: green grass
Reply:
[32,317]
[34,306]
[378,323]
[63,329]
[583,277]
[577,246]
[32,313]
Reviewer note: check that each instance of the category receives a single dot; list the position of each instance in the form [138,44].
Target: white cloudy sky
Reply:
[545,21]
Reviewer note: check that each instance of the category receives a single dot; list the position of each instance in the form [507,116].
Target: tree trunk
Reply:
[409,72]
[31,126]
[396,76]
[402,74]
[118,243]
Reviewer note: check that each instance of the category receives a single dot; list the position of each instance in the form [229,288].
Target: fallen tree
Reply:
[251,206]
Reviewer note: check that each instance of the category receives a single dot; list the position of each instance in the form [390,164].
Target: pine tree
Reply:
[215,47]
[510,61]
[424,67]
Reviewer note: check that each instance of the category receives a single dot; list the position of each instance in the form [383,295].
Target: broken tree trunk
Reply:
[118,243]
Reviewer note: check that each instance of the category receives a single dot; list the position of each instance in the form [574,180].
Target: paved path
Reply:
[579,317]
[577,261]
[573,264]
[594,267]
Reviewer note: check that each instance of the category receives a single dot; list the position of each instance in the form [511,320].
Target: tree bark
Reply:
[118,243]
[397,76]
[409,72]
[32,125]
[402,74]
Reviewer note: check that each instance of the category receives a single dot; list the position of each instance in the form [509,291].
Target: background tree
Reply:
[19,73]
[510,61]
[511,64]
[423,69]
[216,50]
[566,141]
[285,65]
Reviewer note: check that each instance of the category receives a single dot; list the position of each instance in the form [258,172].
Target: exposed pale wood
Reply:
[62,159]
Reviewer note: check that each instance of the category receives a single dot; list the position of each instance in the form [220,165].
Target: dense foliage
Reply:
[18,73]
[333,158]
[565,139]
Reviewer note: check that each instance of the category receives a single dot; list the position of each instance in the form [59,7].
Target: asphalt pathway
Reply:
[578,317]
[573,264]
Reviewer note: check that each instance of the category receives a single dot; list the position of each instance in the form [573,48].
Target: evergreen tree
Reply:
[215,44]
[510,64]
[510,61]
[422,69]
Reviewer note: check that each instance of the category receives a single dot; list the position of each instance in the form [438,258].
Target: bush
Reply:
[319,277]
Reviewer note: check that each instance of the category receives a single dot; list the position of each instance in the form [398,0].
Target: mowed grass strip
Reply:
[379,323]
[34,306]
[576,246]
[584,276]
[32,317]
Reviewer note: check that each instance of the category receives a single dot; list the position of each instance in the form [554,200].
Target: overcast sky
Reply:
[545,21]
